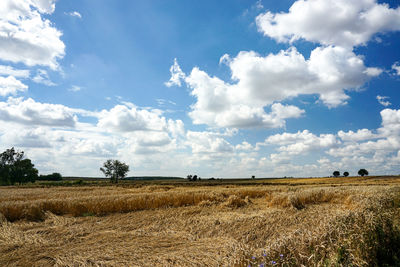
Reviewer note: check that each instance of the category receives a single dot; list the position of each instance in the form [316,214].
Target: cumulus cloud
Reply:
[382,100]
[360,135]
[176,128]
[27,37]
[10,71]
[356,150]
[387,139]
[30,112]
[244,146]
[32,138]
[11,86]
[43,129]
[122,118]
[390,122]
[208,142]
[342,23]
[302,142]
[262,81]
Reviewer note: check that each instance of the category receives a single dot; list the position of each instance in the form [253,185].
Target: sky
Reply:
[229,88]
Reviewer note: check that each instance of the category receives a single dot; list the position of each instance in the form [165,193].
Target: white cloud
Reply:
[74,14]
[280,159]
[176,75]
[52,136]
[357,150]
[244,146]
[360,135]
[43,77]
[176,128]
[11,86]
[302,142]
[388,140]
[30,112]
[262,81]
[122,118]
[27,37]
[386,146]
[76,88]
[208,142]
[44,6]
[396,68]
[382,100]
[339,22]
[10,71]
[373,72]
[259,5]
[33,138]
[165,102]
[390,122]
[55,146]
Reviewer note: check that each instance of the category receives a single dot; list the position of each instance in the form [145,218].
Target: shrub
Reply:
[55,176]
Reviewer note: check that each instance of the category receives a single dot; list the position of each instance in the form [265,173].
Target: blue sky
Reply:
[218,88]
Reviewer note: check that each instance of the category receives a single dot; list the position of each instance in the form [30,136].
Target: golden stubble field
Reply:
[285,222]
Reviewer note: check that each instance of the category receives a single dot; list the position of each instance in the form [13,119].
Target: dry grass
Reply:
[311,224]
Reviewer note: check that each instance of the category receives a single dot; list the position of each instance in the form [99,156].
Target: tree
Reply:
[336,173]
[194,178]
[189,177]
[55,176]
[362,172]
[15,169]
[345,174]
[114,169]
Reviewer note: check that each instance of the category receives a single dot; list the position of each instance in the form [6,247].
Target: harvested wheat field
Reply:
[310,222]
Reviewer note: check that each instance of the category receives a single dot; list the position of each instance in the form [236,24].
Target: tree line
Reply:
[361,172]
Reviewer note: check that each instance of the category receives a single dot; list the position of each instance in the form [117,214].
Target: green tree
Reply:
[55,176]
[15,169]
[362,172]
[336,173]
[114,169]
[345,174]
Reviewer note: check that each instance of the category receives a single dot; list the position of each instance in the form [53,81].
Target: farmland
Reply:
[287,222]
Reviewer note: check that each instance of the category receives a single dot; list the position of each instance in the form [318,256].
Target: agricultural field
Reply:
[283,222]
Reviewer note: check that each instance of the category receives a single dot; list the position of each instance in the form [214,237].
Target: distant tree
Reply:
[189,177]
[15,169]
[114,169]
[336,173]
[253,177]
[362,172]
[345,174]
[55,176]
[194,178]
